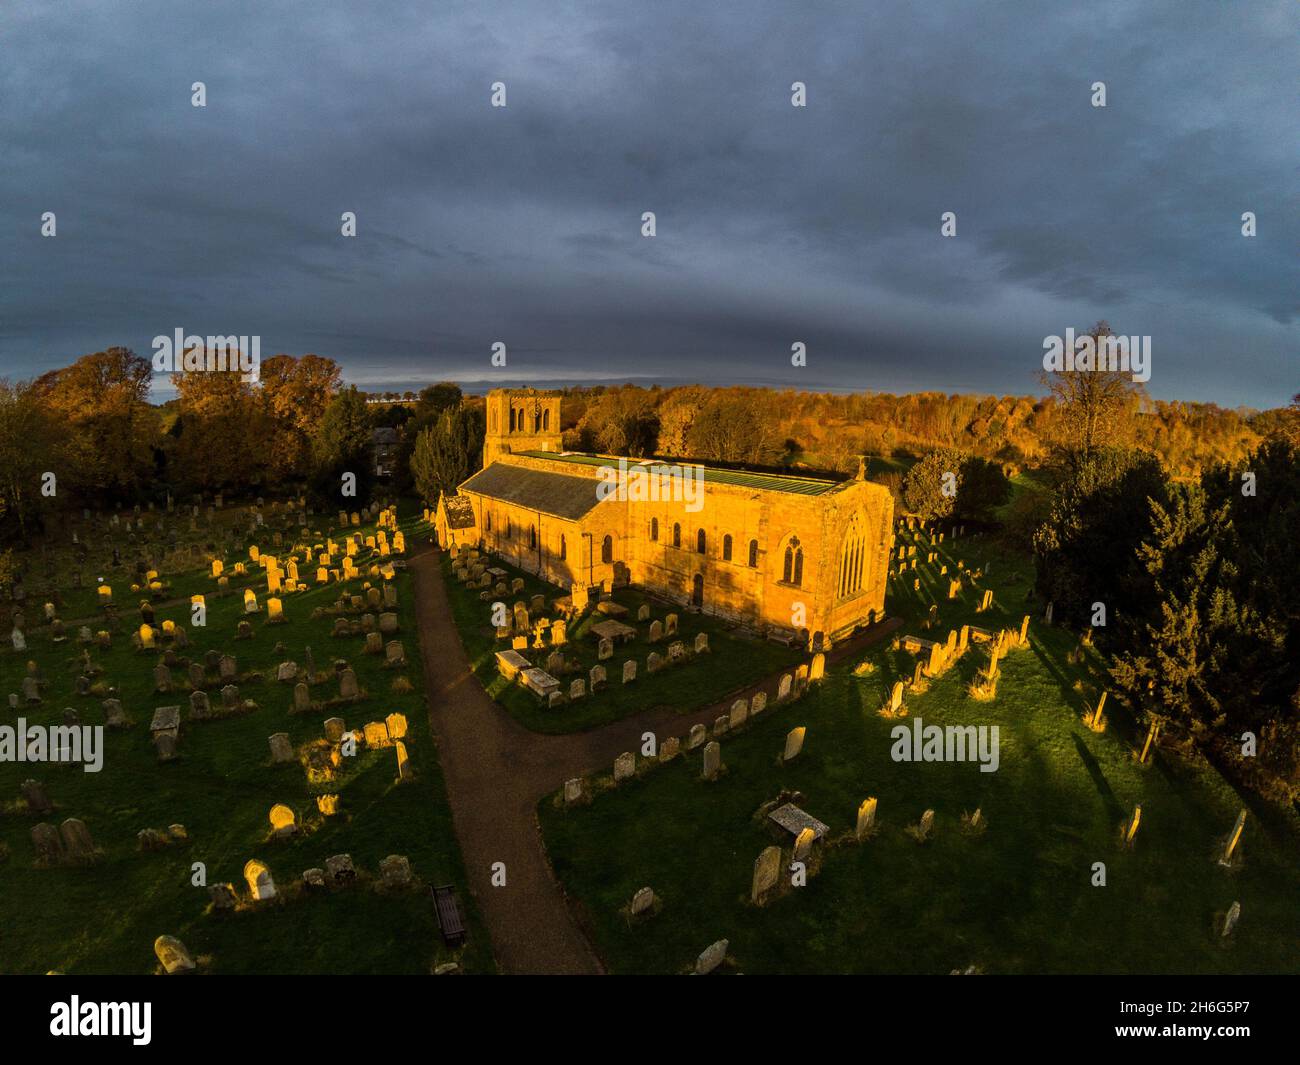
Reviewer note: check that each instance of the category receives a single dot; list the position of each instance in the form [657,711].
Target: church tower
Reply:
[521,419]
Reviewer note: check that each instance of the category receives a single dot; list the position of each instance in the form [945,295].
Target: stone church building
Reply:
[792,556]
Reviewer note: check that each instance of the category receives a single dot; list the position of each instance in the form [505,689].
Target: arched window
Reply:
[512,419]
[564,548]
[654,530]
[607,549]
[753,552]
[852,556]
[677,535]
[700,542]
[537,421]
[792,572]
[546,419]
[726,548]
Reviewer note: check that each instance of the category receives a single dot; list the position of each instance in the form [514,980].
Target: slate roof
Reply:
[460,512]
[767,482]
[556,494]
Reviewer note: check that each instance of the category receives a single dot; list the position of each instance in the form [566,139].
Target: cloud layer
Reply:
[775,224]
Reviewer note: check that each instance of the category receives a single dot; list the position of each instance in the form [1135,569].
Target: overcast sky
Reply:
[775,224]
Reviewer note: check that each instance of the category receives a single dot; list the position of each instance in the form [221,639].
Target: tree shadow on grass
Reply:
[1098,779]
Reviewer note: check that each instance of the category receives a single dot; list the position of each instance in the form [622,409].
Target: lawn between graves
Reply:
[733,662]
[1017,898]
[104,918]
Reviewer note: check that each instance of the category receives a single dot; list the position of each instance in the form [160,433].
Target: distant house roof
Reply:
[767,482]
[460,512]
[557,494]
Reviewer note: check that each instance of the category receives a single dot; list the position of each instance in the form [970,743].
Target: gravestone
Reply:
[783,688]
[629,671]
[643,901]
[767,869]
[696,736]
[348,685]
[77,844]
[200,707]
[712,760]
[261,885]
[572,790]
[48,844]
[793,743]
[669,749]
[334,729]
[339,870]
[866,822]
[173,956]
[739,714]
[281,748]
[701,643]
[624,767]
[711,958]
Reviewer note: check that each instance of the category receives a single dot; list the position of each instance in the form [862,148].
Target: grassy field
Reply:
[733,662]
[104,918]
[1016,898]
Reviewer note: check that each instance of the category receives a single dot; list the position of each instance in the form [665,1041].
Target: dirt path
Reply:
[497,771]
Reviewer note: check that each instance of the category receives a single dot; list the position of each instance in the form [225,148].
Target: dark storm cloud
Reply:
[775,224]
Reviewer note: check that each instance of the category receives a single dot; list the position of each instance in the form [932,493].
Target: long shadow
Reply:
[1098,779]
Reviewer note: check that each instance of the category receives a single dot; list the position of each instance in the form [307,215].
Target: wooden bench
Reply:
[447,909]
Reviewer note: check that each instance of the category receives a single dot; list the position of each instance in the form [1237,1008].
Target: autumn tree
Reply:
[108,428]
[1093,400]
[295,393]
[223,435]
[28,442]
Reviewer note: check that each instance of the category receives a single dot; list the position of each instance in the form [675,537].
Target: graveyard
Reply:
[1092,849]
[659,654]
[270,799]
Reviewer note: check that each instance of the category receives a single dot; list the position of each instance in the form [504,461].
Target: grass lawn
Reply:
[734,660]
[1017,898]
[104,918]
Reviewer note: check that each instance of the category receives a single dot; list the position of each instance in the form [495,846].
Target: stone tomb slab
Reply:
[511,663]
[794,821]
[539,682]
[613,630]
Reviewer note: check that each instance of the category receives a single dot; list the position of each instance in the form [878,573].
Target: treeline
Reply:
[87,435]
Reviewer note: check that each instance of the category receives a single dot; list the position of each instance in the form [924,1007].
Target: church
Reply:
[799,558]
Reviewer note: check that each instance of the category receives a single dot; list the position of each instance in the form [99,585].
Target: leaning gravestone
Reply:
[767,868]
[711,958]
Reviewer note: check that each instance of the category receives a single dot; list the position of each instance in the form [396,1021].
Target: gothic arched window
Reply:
[792,571]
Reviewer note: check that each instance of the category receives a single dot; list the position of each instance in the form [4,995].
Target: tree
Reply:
[728,428]
[622,421]
[1086,551]
[447,452]
[101,403]
[342,445]
[1092,400]
[27,447]
[931,486]
[222,436]
[295,393]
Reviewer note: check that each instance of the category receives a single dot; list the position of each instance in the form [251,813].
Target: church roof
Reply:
[766,482]
[557,494]
[460,512]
